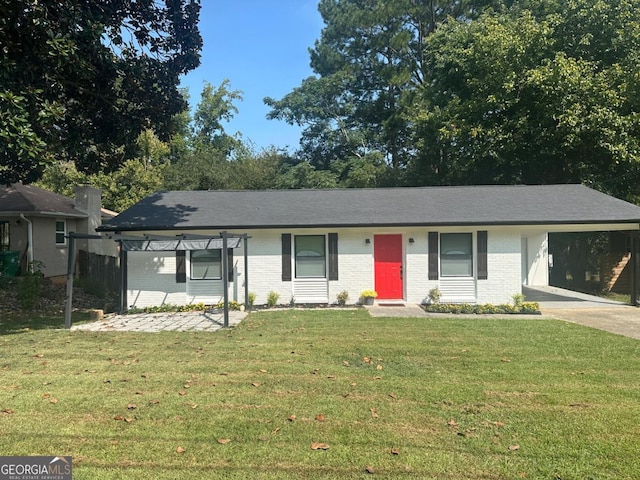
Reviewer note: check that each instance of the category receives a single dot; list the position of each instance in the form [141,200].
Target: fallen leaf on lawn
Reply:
[276,430]
[291,418]
[452,423]
[154,402]
[377,378]
[182,393]
[513,448]
[53,400]
[38,355]
[118,418]
[395,451]
[345,363]
[181,450]
[262,370]
[128,419]
[186,385]
[370,469]
[331,377]
[46,395]
[497,424]
[319,446]
[8,411]
[353,384]
[223,441]
[320,417]
[505,360]
[256,384]
[366,360]
[379,367]
[393,395]
[374,414]
[132,406]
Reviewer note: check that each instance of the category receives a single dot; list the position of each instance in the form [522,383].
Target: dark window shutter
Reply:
[433,256]
[286,257]
[181,266]
[333,256]
[482,255]
[230,264]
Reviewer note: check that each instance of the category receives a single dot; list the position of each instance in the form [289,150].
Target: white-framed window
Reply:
[310,256]
[206,265]
[456,255]
[61,232]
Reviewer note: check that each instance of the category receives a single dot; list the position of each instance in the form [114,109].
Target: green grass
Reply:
[455,399]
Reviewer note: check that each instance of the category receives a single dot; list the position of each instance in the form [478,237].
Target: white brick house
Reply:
[476,244]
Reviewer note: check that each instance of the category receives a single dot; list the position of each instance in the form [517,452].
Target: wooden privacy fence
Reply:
[93,269]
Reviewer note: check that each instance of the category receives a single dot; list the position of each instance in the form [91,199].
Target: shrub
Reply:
[272,299]
[252,300]
[30,286]
[486,308]
[434,295]
[342,297]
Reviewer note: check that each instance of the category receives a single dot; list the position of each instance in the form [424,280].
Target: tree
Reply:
[369,58]
[79,81]
[216,105]
[550,97]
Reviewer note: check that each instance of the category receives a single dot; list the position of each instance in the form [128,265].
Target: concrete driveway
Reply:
[588,310]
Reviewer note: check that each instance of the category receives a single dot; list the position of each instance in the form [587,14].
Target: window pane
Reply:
[61,230]
[206,265]
[456,259]
[310,256]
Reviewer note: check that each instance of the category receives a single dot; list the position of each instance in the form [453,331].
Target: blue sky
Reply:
[262,48]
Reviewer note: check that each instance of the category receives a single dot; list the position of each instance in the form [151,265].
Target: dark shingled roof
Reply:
[408,206]
[28,199]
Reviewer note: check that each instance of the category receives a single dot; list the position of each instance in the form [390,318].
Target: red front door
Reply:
[387,255]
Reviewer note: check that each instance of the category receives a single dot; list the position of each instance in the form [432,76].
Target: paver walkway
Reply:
[160,322]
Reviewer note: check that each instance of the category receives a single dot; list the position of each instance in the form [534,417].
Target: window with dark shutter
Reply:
[181,266]
[230,264]
[433,256]
[286,257]
[333,256]
[482,255]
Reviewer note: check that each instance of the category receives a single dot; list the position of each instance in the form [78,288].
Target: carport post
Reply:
[245,239]
[225,278]
[71,260]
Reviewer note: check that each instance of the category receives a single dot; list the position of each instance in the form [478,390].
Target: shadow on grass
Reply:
[16,322]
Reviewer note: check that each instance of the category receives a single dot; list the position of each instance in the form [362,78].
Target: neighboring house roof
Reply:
[408,206]
[30,200]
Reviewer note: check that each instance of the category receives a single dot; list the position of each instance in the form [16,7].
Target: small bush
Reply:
[233,305]
[486,308]
[252,300]
[272,299]
[342,297]
[434,295]
[30,286]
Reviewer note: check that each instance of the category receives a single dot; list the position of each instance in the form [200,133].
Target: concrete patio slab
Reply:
[163,322]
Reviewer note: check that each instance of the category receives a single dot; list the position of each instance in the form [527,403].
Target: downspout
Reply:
[29,240]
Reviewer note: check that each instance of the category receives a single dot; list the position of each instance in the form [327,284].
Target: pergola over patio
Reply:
[161,243]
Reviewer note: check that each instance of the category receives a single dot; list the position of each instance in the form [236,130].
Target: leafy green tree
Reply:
[520,98]
[370,56]
[79,81]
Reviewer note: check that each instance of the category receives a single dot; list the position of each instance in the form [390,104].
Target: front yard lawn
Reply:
[327,394]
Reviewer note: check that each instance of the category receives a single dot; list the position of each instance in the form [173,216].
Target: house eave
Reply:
[631,224]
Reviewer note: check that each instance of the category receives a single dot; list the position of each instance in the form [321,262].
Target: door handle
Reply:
[401,272]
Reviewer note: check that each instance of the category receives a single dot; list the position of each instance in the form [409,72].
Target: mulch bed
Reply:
[52,299]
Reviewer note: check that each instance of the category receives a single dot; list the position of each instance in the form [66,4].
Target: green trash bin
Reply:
[9,263]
